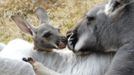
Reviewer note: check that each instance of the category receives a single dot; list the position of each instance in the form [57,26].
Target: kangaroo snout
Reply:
[62,42]
[72,39]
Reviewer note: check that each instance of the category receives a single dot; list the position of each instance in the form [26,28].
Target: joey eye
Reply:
[59,30]
[46,35]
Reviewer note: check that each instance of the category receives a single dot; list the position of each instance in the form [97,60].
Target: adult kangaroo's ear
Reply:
[42,15]
[115,7]
[23,25]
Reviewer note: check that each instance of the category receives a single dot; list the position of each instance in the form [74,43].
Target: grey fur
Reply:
[112,32]
[45,37]
[63,62]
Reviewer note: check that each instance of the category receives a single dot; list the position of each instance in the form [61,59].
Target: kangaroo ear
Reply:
[23,25]
[115,7]
[42,15]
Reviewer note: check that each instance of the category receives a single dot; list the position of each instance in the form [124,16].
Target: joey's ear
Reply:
[23,25]
[42,15]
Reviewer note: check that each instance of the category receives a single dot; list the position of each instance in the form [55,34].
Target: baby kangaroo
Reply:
[45,37]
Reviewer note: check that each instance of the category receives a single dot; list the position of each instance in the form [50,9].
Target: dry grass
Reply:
[63,13]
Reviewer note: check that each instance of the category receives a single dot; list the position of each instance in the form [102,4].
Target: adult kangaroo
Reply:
[110,30]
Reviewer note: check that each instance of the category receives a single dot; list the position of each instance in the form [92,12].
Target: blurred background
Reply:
[62,13]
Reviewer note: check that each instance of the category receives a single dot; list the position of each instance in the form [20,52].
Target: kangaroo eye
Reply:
[59,30]
[91,18]
[46,35]
[116,4]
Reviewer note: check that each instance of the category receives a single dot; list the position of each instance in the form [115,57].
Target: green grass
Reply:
[63,14]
